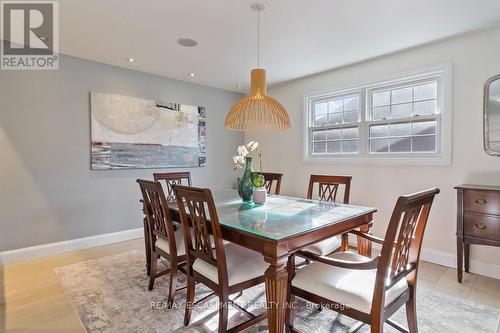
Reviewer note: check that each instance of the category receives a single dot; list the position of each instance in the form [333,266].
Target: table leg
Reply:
[364,245]
[344,246]
[276,291]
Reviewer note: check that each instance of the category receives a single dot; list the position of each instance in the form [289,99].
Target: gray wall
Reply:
[47,191]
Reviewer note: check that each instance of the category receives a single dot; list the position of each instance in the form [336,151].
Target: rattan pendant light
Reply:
[257,111]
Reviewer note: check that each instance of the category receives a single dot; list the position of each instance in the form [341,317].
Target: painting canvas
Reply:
[132,133]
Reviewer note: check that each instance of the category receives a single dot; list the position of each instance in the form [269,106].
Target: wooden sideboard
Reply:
[478,220]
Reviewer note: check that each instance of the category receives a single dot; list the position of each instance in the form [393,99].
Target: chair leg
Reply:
[152,273]
[223,313]
[290,314]
[189,300]
[411,311]
[173,285]
[147,248]
[377,326]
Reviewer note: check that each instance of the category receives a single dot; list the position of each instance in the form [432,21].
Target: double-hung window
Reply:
[404,119]
[336,125]
[401,119]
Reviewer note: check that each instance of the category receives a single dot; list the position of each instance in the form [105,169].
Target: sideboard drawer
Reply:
[482,226]
[482,202]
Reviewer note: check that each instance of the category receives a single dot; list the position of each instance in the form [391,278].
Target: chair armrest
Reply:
[372,264]
[369,237]
[401,275]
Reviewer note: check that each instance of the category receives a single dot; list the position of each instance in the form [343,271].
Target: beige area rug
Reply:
[110,295]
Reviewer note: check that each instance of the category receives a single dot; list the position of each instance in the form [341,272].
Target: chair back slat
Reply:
[173,178]
[201,241]
[328,187]
[327,192]
[270,179]
[197,211]
[406,234]
[155,207]
[403,239]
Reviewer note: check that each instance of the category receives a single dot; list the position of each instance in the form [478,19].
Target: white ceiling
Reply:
[298,37]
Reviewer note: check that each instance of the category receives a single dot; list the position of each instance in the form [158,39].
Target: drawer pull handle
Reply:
[481,202]
[480,226]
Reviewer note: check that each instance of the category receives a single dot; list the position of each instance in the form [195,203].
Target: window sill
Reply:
[381,160]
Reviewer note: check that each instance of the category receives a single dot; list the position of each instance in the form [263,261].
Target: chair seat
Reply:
[242,265]
[324,247]
[351,287]
[162,243]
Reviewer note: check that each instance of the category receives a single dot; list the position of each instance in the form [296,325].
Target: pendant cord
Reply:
[258,38]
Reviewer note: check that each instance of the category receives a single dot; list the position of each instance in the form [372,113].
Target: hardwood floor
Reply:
[33,300]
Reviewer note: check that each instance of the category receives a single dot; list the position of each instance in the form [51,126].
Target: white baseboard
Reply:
[45,250]
[450,260]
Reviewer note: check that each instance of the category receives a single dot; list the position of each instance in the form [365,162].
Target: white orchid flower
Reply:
[252,145]
[240,159]
[243,151]
[238,162]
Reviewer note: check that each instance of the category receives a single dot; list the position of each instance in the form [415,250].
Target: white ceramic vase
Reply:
[259,195]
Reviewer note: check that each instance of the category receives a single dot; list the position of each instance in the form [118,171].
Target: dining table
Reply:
[280,227]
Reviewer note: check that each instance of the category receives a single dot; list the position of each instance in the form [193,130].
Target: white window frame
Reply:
[442,73]
[343,95]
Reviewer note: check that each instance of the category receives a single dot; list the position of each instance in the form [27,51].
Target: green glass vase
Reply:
[245,187]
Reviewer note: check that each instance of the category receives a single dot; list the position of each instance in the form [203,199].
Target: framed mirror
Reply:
[492,116]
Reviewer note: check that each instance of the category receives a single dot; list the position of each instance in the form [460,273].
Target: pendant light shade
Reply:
[257,111]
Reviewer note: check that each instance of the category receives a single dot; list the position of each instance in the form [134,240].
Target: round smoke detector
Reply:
[187,42]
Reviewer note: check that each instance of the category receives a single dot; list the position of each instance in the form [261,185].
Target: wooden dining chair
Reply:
[169,178]
[173,178]
[328,188]
[270,178]
[228,270]
[165,240]
[370,290]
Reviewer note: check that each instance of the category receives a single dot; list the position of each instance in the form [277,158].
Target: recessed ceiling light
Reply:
[191,74]
[130,59]
[187,42]
[239,86]
[43,38]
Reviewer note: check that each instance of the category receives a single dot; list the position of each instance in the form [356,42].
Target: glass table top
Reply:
[281,216]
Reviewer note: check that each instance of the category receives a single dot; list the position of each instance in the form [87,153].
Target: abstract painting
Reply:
[134,133]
